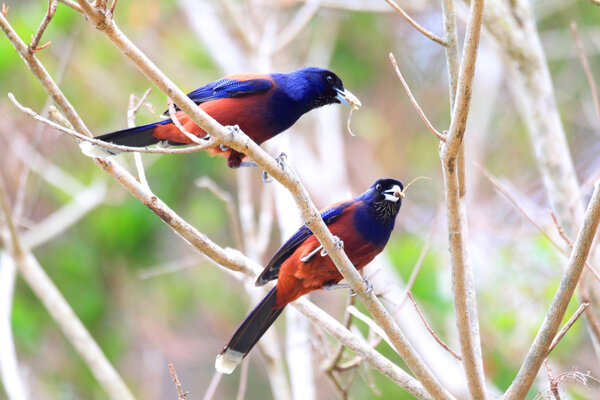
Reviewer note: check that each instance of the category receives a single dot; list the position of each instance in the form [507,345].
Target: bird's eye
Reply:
[330,79]
[378,187]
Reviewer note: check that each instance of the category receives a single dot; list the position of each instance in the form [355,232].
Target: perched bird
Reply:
[363,224]
[262,105]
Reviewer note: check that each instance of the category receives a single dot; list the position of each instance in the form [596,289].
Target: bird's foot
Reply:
[280,161]
[233,129]
[337,243]
[347,286]
[369,286]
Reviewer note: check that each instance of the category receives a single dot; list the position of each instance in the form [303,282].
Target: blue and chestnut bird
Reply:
[262,105]
[363,224]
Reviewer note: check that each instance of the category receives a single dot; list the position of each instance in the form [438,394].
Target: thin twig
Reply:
[173,115]
[586,67]
[72,4]
[436,337]
[212,386]
[243,379]
[191,149]
[414,102]
[552,381]
[35,41]
[567,326]
[415,24]
[181,395]
[132,109]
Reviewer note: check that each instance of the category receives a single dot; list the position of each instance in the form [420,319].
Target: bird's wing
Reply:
[271,271]
[232,86]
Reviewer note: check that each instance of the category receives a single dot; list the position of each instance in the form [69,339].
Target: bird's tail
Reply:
[139,136]
[248,333]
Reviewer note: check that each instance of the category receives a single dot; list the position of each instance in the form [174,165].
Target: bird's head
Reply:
[318,87]
[385,197]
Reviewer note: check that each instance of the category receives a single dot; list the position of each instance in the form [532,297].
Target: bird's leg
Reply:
[307,257]
[338,243]
[347,286]
[233,129]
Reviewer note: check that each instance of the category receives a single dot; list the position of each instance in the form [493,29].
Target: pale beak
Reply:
[393,194]
[346,97]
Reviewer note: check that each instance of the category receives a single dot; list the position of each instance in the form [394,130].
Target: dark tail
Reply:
[139,136]
[248,333]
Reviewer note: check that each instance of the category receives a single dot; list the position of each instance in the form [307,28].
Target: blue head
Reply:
[380,204]
[316,87]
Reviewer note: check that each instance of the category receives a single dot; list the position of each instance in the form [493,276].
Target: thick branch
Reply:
[465,303]
[539,349]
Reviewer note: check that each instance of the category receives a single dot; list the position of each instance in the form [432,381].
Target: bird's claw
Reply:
[233,129]
[369,288]
[280,161]
[266,178]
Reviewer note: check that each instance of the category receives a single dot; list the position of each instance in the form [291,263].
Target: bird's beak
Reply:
[394,194]
[346,97]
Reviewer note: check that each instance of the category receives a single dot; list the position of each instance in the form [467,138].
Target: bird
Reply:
[363,225]
[261,105]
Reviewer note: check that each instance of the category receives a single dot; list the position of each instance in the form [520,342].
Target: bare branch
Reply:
[35,41]
[72,4]
[463,289]
[212,386]
[547,332]
[181,395]
[415,24]
[414,101]
[71,326]
[567,326]
[179,126]
[436,337]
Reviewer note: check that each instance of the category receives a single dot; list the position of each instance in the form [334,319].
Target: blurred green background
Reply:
[101,263]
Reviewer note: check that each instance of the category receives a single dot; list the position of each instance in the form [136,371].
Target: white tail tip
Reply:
[226,362]
[94,151]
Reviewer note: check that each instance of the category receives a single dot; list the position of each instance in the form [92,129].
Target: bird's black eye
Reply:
[378,187]
[330,79]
